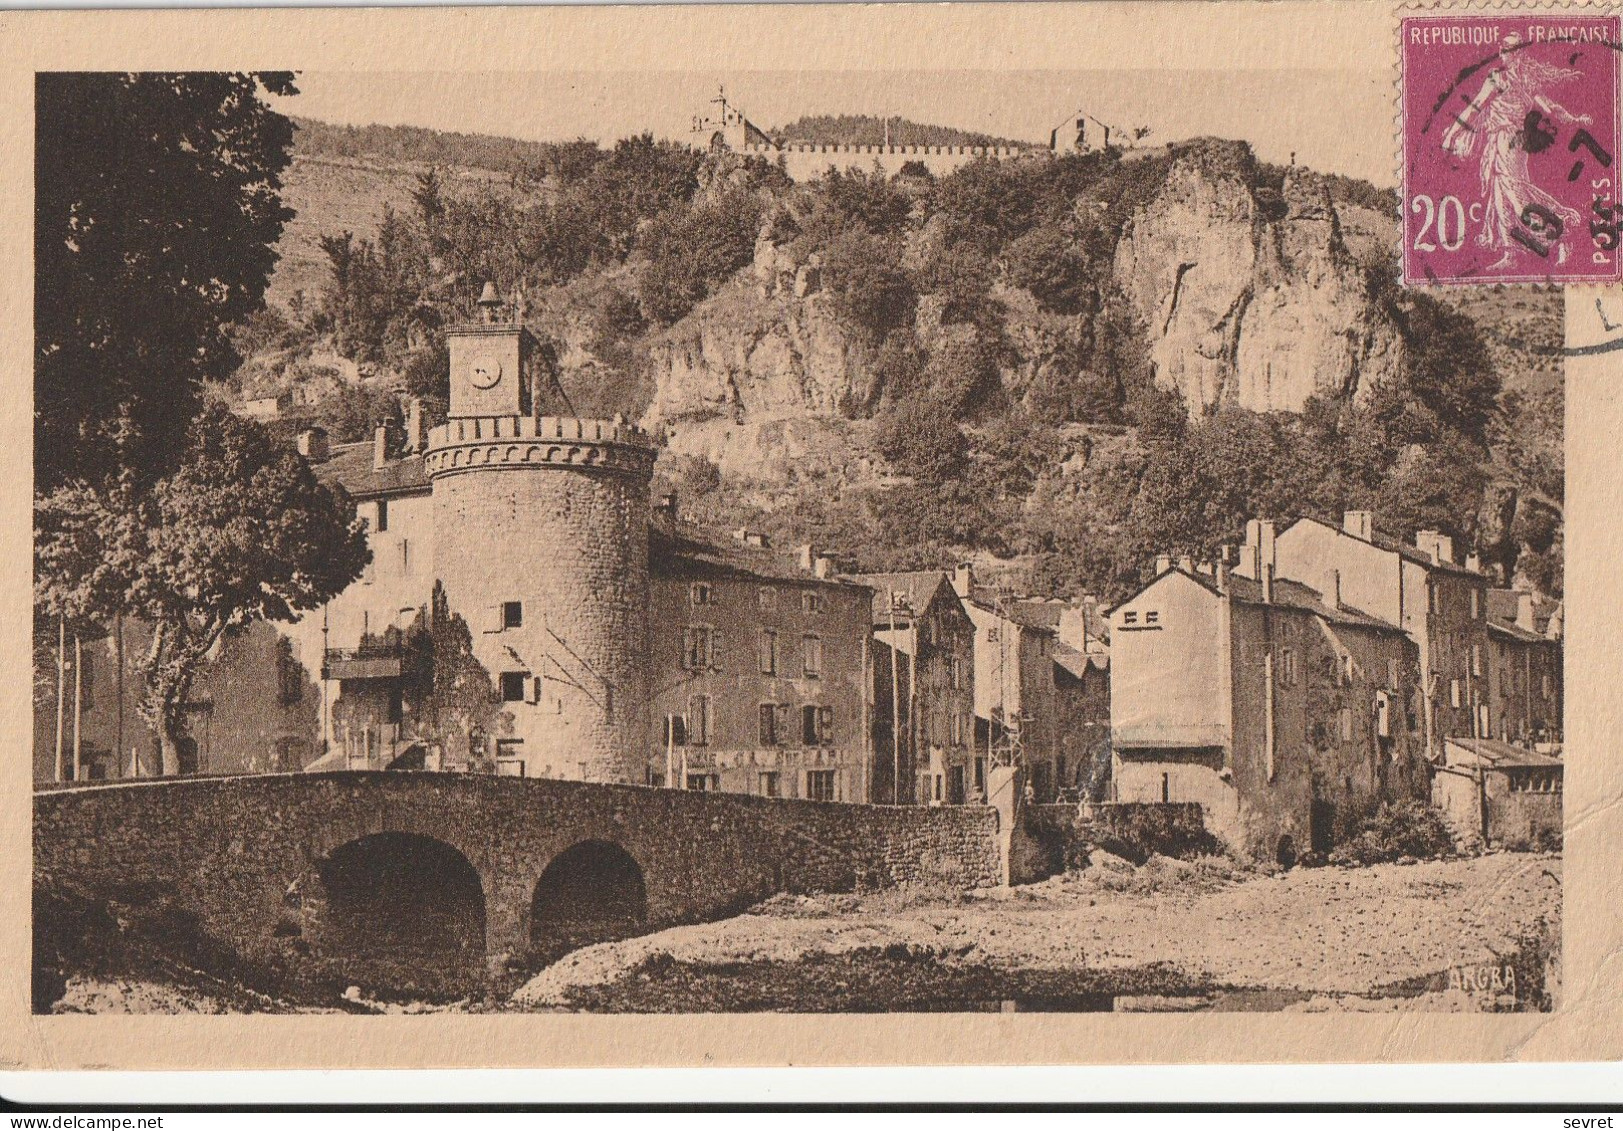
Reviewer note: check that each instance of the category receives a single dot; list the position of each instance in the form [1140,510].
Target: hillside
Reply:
[1058,367]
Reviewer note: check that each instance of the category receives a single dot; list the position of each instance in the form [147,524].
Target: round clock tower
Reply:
[541,543]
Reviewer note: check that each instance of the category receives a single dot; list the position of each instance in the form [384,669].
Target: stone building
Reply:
[759,674]
[1286,713]
[1442,604]
[923,692]
[1042,687]
[255,707]
[1500,794]
[1524,670]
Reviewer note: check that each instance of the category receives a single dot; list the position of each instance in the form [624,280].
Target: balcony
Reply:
[370,661]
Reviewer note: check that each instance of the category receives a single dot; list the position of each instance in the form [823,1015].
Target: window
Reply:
[1453,693]
[700,644]
[1383,715]
[699,593]
[513,686]
[1129,618]
[767,784]
[767,598]
[811,602]
[957,729]
[1287,667]
[513,614]
[1152,617]
[816,725]
[698,720]
[676,730]
[994,634]
[811,648]
[1166,787]
[957,673]
[769,652]
[289,674]
[405,555]
[1476,598]
[820,785]
[699,782]
[769,724]
[1549,686]
[980,773]
[1435,595]
[1391,675]
[383,515]
[1476,660]
[1346,724]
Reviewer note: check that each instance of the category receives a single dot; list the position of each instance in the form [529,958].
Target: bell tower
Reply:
[491,361]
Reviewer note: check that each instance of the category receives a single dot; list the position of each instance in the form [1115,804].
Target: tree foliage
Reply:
[156,211]
[240,530]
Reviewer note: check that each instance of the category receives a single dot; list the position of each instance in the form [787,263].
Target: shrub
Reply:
[1397,829]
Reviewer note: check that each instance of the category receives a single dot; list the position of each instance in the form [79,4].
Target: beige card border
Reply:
[1285,35]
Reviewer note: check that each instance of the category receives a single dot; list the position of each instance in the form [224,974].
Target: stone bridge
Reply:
[355,862]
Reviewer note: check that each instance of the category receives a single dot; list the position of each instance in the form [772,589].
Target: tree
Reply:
[239,531]
[156,210]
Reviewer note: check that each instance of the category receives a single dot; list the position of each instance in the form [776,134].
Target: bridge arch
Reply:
[592,890]
[396,894]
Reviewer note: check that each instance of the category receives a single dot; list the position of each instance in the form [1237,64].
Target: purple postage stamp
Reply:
[1511,146]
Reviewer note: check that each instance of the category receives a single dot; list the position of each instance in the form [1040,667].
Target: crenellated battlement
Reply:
[473,442]
[1000,151]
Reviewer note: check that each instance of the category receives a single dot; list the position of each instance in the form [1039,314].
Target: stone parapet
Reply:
[571,443]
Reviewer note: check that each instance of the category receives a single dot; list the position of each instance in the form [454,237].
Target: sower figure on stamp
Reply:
[1506,113]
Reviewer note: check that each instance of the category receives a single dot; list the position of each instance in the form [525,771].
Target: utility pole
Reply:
[61,688]
[78,702]
[895,712]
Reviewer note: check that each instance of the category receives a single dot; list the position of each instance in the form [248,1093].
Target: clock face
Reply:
[486,371]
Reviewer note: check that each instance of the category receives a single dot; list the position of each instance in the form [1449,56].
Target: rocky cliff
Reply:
[1248,297]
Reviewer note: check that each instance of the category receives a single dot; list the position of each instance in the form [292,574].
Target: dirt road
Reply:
[1167,935]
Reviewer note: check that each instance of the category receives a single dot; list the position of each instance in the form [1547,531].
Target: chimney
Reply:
[667,508]
[1360,524]
[1524,612]
[1333,590]
[1258,550]
[1204,569]
[380,447]
[313,445]
[1163,563]
[808,557]
[1439,546]
[1186,563]
[416,441]
[825,566]
[1473,562]
[963,580]
[1267,583]
[1223,573]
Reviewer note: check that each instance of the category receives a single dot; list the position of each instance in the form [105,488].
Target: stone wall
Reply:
[1060,836]
[231,849]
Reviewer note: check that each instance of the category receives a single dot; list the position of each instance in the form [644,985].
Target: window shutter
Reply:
[687,648]
[534,695]
[714,657]
[768,717]
[781,725]
[493,618]
[825,724]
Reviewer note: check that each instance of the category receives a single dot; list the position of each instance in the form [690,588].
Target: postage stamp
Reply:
[1510,141]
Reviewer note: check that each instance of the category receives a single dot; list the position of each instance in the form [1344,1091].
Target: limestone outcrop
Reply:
[1248,294]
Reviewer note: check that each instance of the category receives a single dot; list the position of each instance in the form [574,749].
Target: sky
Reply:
[1327,118]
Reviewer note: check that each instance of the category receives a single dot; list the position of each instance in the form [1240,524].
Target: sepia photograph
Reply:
[728,541]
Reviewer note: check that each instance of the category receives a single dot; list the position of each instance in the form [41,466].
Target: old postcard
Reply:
[782,535]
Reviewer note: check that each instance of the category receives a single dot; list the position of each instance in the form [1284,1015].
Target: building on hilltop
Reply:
[726,127]
[923,693]
[759,672]
[1285,712]
[1441,603]
[1042,688]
